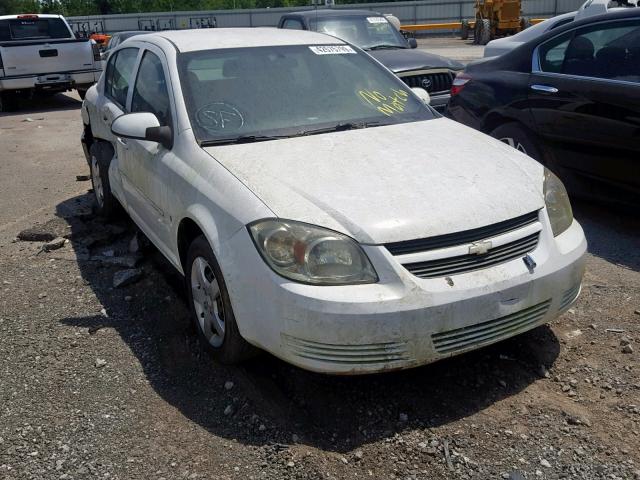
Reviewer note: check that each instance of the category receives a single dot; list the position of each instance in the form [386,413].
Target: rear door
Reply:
[33,45]
[585,99]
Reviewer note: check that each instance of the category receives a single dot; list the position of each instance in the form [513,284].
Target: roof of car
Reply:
[39,15]
[610,15]
[335,13]
[219,38]
[131,32]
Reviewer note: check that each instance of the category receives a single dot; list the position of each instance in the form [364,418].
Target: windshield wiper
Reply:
[241,139]
[263,138]
[383,46]
[340,127]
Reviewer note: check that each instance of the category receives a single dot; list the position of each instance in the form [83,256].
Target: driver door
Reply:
[145,166]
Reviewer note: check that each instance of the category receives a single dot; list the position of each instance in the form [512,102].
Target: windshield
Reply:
[289,91]
[365,32]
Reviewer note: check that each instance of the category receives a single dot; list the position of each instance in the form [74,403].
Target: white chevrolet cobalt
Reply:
[318,209]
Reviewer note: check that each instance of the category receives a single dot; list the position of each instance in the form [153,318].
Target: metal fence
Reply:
[425,11]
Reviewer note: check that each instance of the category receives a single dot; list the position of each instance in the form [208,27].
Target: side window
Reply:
[610,51]
[118,76]
[150,93]
[292,24]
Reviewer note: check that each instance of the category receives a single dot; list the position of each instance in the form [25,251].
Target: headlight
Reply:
[557,202]
[309,254]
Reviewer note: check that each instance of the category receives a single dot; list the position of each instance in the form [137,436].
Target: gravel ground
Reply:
[104,382]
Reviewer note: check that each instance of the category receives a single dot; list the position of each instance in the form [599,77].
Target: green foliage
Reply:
[72,8]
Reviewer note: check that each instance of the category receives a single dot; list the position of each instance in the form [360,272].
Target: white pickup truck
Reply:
[41,53]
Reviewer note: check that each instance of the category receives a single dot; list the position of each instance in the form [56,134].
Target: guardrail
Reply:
[449,25]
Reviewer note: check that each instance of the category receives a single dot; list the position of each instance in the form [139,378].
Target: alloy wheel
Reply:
[207,301]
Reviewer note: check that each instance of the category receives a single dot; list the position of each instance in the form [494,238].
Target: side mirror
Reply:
[413,43]
[422,94]
[142,126]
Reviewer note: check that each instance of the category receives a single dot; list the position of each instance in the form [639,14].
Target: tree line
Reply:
[105,7]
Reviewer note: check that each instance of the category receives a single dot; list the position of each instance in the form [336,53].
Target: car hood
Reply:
[390,183]
[402,60]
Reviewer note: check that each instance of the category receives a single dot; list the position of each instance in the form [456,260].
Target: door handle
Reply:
[544,88]
[122,141]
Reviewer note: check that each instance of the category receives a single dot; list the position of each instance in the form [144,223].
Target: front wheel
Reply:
[464,30]
[210,306]
[519,138]
[485,32]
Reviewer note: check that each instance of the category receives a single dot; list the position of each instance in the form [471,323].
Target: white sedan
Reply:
[318,209]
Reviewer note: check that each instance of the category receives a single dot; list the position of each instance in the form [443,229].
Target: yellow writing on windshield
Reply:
[390,104]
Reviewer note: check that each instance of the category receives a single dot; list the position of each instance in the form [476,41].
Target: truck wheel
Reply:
[464,30]
[210,306]
[519,138]
[8,102]
[485,32]
[106,203]
[477,27]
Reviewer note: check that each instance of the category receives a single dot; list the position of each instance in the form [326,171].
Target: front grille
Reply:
[460,238]
[490,331]
[369,354]
[435,82]
[468,263]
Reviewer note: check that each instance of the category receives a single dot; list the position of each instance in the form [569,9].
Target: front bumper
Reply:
[402,321]
[440,101]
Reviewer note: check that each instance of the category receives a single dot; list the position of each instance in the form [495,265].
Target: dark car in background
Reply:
[373,33]
[119,37]
[570,99]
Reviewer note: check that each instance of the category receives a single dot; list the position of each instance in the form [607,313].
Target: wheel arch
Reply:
[104,144]
[494,119]
[188,231]
[197,221]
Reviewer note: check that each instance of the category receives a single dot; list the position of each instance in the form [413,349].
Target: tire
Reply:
[477,27]
[520,138]
[106,204]
[8,102]
[210,306]
[464,30]
[485,32]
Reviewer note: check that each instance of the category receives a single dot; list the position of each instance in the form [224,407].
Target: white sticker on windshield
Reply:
[376,20]
[332,49]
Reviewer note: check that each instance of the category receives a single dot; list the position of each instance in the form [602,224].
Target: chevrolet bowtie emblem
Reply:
[480,248]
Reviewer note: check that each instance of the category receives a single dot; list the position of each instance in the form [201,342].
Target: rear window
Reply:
[33,29]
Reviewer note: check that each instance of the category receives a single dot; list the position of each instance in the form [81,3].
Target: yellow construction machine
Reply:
[495,18]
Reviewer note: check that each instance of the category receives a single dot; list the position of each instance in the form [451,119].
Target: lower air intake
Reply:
[360,354]
[490,331]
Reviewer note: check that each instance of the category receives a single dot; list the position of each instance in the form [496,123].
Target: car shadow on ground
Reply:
[613,233]
[272,401]
[42,103]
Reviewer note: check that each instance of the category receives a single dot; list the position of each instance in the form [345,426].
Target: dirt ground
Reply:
[110,383]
